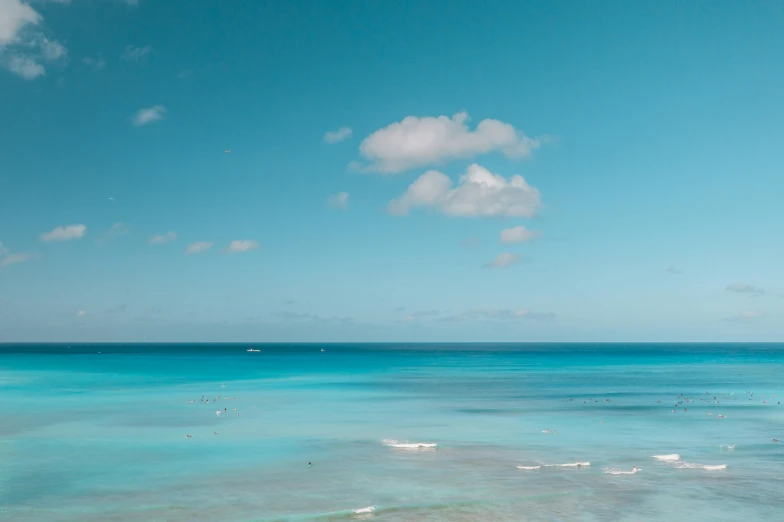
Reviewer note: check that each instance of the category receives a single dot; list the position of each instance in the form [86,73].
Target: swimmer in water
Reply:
[634,469]
[310,463]
[546,431]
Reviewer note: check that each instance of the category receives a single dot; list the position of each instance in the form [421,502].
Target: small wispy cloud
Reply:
[740,288]
[419,314]
[471,241]
[242,245]
[97,63]
[15,258]
[747,316]
[337,136]
[499,315]
[504,260]
[116,230]
[64,233]
[339,200]
[134,54]
[149,115]
[315,318]
[81,313]
[672,270]
[518,234]
[160,239]
[25,67]
[198,247]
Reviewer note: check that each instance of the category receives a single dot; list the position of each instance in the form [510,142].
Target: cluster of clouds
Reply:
[419,142]
[77,231]
[26,48]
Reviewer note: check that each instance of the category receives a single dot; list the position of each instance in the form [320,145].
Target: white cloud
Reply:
[337,136]
[518,234]
[504,260]
[64,233]
[198,247]
[740,288]
[25,67]
[160,239]
[672,270]
[81,313]
[3,249]
[149,115]
[479,192]
[418,142]
[97,63]
[242,245]
[339,200]
[134,54]
[15,15]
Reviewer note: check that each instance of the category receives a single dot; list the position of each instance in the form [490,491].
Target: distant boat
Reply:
[323,350]
[252,350]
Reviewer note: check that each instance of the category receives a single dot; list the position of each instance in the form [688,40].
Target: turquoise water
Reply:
[95,436]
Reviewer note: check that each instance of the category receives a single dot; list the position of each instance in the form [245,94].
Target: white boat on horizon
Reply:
[253,350]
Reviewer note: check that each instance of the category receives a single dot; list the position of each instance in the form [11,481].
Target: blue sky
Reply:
[383,159]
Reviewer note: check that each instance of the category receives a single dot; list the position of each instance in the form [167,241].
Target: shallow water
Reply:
[102,436]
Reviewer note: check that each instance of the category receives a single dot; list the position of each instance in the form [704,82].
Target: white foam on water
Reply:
[613,471]
[528,468]
[667,458]
[729,447]
[708,467]
[409,445]
[361,511]
[569,465]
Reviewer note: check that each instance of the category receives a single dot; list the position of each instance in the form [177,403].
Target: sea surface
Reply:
[108,432]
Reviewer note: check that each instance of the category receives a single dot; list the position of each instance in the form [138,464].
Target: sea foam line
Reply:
[569,465]
[613,471]
[667,458]
[409,445]
[708,467]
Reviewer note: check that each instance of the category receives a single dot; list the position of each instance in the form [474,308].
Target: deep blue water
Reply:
[98,432]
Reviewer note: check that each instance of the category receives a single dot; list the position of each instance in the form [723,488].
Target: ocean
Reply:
[146,432]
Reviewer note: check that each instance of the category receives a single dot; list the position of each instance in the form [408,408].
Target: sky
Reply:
[401,171]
